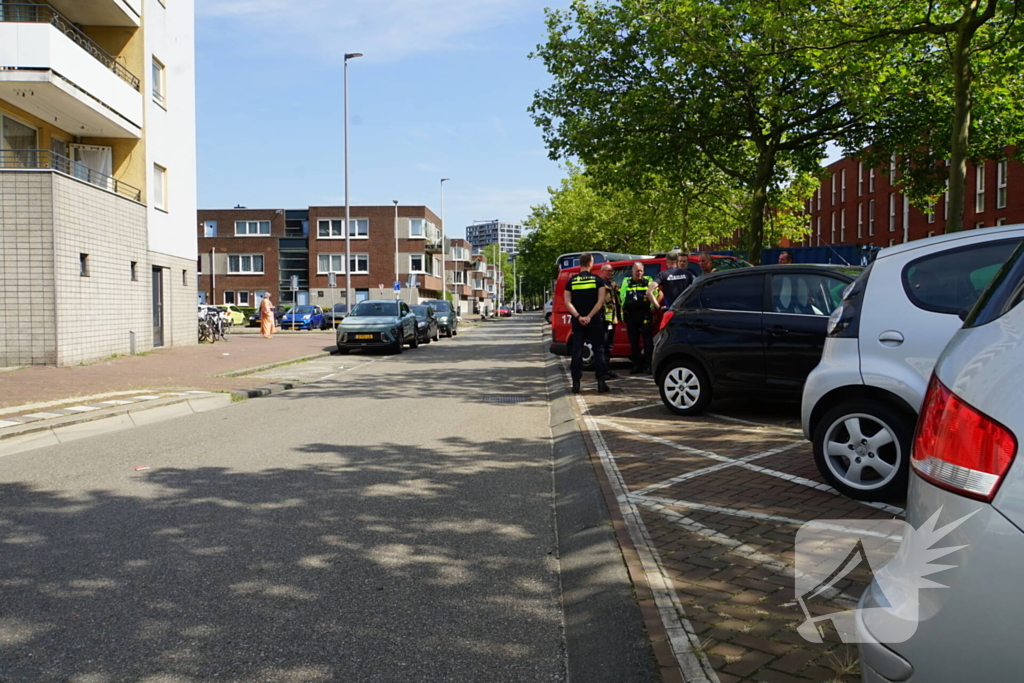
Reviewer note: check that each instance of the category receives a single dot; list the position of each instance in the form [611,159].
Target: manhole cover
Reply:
[506,399]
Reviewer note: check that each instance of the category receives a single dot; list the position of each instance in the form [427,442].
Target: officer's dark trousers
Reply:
[639,329]
[596,334]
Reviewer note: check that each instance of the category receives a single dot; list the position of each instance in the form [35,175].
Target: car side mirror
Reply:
[964,312]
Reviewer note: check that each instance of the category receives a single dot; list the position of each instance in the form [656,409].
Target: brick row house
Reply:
[244,253]
[863,206]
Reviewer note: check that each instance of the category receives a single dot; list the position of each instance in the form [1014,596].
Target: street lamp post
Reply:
[444,254]
[348,261]
[397,294]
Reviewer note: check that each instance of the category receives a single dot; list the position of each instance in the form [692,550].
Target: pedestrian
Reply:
[584,297]
[673,281]
[612,313]
[785,258]
[636,310]
[706,263]
[266,316]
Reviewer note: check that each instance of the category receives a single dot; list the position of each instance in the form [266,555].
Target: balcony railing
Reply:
[44,159]
[41,14]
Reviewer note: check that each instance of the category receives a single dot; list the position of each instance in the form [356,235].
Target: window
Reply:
[930,216]
[832,234]
[800,294]
[359,263]
[245,263]
[871,218]
[871,180]
[979,225]
[229,297]
[159,187]
[184,278]
[416,263]
[243,298]
[1000,221]
[210,229]
[743,293]
[842,186]
[417,227]
[330,263]
[817,194]
[329,228]
[58,146]
[159,83]
[819,231]
[860,178]
[1001,169]
[952,280]
[979,188]
[833,189]
[437,266]
[892,212]
[945,201]
[892,169]
[860,221]
[842,225]
[892,242]
[83,265]
[250,227]
[135,271]
[931,233]
[459,278]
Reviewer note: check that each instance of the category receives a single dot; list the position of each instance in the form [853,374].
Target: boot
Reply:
[575,386]
[602,388]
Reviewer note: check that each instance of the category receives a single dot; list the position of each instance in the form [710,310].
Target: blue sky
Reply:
[441,92]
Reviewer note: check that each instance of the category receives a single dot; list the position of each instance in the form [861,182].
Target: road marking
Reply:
[803,481]
[752,424]
[700,425]
[633,410]
[738,462]
[683,640]
[761,516]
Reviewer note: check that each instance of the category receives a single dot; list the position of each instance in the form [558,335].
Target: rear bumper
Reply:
[560,349]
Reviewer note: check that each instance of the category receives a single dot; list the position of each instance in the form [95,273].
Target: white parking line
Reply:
[633,410]
[752,424]
[682,638]
[701,425]
[738,462]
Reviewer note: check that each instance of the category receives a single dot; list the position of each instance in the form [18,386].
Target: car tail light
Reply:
[665,317]
[959,448]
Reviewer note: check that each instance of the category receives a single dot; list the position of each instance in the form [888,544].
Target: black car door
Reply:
[723,324]
[795,323]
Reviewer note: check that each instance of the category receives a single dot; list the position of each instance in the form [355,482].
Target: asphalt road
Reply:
[391,523]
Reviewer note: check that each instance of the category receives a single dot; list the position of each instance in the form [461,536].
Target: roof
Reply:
[1005,230]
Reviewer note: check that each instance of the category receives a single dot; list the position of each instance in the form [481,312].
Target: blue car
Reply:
[303,318]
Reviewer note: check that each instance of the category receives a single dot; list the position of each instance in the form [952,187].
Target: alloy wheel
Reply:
[862,451]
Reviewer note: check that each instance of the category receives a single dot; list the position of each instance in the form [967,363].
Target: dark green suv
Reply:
[447,318]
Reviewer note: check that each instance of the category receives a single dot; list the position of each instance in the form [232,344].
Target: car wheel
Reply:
[449,332]
[398,348]
[547,317]
[685,387]
[862,448]
[437,334]
[415,340]
[343,352]
[427,339]
[588,355]
[454,332]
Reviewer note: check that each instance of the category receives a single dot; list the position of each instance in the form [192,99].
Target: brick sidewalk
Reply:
[716,502]
[188,367]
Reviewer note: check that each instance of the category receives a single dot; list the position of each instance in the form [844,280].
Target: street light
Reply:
[397,294]
[444,254]
[348,258]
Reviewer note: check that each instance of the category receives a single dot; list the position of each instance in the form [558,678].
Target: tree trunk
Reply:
[754,237]
[961,129]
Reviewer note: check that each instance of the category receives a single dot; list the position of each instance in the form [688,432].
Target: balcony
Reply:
[42,72]
[433,246]
[125,13]
[45,160]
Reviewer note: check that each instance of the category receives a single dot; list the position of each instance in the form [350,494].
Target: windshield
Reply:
[440,306]
[377,309]
[420,311]
[729,263]
[340,308]
[302,310]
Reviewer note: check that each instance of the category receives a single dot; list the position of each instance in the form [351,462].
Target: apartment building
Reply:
[482,233]
[246,252]
[97,178]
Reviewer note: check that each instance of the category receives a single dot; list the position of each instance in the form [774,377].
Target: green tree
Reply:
[688,89]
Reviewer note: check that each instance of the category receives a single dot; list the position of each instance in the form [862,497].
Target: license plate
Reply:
[364,336]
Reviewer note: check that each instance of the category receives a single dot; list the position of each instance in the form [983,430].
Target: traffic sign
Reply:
[332,279]
[398,286]
[295,283]
[381,287]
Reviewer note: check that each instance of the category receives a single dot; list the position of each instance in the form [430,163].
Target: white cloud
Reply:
[385,30]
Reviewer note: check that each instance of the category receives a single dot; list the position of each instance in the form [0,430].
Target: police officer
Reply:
[636,309]
[673,281]
[584,297]
[612,313]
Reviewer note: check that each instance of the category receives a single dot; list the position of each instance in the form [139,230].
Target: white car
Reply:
[967,486]
[860,403]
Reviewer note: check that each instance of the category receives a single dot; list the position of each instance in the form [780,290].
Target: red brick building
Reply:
[246,252]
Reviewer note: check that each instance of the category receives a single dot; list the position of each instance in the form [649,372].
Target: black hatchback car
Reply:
[743,332]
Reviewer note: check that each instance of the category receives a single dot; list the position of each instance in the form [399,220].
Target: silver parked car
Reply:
[861,402]
[966,471]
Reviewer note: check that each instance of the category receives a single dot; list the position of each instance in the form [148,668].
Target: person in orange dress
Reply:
[266,317]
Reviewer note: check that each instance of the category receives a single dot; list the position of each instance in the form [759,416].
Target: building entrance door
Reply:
[158,307]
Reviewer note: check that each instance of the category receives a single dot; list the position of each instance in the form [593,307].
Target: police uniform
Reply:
[612,316]
[636,310]
[583,289]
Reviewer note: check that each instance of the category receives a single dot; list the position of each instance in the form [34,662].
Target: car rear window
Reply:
[952,280]
[1003,294]
[734,293]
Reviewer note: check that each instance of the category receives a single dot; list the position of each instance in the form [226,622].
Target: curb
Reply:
[266,390]
[270,366]
[73,427]
[605,634]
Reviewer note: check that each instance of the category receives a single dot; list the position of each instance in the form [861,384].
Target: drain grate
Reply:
[506,399]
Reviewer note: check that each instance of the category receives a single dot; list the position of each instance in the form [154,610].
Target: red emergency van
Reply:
[561,320]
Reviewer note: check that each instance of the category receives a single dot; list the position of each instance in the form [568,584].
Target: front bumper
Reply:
[379,339]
